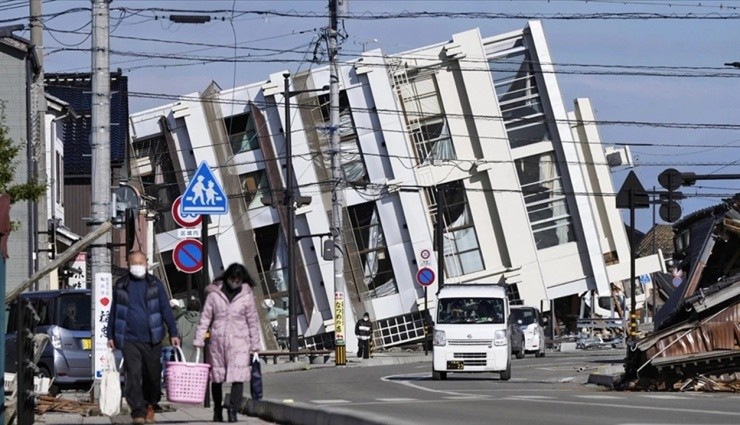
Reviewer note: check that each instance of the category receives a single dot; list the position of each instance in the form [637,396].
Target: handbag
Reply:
[255,382]
[110,386]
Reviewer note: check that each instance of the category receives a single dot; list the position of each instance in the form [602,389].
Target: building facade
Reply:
[473,128]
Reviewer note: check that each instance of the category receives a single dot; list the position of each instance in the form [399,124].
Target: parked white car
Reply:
[529,320]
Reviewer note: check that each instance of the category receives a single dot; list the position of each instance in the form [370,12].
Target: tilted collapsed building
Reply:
[525,185]
[696,342]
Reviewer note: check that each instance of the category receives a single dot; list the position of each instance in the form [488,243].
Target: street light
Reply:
[289,201]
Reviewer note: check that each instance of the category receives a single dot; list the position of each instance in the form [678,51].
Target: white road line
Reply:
[665,397]
[532,397]
[601,397]
[629,407]
[333,401]
[465,397]
[397,399]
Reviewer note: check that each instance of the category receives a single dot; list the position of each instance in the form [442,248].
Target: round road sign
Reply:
[184,220]
[188,255]
[425,276]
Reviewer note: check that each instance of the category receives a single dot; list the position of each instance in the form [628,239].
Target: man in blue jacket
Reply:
[138,314]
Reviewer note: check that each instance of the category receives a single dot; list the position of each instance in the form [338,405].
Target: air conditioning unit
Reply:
[618,156]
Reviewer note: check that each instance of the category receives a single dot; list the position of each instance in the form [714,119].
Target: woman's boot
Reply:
[218,414]
[232,414]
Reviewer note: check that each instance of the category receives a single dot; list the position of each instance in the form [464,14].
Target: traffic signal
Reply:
[671,180]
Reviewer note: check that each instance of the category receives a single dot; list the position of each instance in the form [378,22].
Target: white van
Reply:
[471,331]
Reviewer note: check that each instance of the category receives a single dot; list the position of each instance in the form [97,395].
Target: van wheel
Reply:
[520,354]
[506,375]
[439,376]
[540,353]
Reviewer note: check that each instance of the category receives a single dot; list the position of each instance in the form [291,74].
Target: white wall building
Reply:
[479,121]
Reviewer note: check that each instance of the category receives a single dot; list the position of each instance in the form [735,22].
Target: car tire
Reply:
[520,354]
[540,353]
[506,375]
[439,376]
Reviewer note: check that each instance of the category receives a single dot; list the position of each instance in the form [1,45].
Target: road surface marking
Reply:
[397,399]
[601,397]
[666,396]
[333,401]
[532,397]
[627,406]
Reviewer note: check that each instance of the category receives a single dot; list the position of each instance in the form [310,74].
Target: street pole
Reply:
[101,172]
[337,191]
[633,244]
[290,214]
[38,146]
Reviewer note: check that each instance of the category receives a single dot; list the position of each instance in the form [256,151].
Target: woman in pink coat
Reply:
[231,314]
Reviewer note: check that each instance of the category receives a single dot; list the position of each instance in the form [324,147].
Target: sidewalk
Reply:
[197,414]
[181,414]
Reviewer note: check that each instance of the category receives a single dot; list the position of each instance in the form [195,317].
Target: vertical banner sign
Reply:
[339,317]
[79,280]
[101,310]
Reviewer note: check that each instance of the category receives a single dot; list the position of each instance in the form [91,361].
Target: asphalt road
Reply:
[548,390]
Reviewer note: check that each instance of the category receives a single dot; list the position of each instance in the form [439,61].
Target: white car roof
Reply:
[473,290]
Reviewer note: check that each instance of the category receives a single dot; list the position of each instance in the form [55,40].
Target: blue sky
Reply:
[646,43]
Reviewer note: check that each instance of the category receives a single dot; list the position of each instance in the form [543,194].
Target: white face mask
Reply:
[137,270]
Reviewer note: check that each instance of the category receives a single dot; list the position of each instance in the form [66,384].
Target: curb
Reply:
[304,414]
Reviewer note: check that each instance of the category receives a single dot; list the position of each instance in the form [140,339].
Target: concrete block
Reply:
[568,346]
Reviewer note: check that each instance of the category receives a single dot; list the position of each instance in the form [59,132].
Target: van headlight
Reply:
[440,338]
[500,338]
[56,338]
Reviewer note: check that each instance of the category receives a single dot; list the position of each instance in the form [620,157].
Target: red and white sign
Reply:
[184,220]
[103,291]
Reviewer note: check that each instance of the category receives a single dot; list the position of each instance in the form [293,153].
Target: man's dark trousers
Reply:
[142,363]
[364,349]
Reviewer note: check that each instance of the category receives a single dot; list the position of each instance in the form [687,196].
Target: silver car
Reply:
[65,315]
[529,321]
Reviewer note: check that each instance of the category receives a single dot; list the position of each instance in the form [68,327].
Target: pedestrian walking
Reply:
[230,313]
[364,332]
[187,325]
[136,326]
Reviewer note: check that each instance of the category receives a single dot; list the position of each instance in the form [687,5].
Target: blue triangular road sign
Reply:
[204,194]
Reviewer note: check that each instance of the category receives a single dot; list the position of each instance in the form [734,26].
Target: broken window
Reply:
[377,266]
[242,134]
[546,203]
[255,185]
[160,182]
[425,118]
[461,249]
[272,263]
[350,157]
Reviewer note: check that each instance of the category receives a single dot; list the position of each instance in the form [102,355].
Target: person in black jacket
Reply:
[364,331]
[136,326]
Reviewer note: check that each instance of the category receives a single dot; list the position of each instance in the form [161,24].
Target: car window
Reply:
[470,310]
[526,315]
[74,312]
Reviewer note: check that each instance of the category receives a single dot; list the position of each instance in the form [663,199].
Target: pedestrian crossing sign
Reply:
[204,194]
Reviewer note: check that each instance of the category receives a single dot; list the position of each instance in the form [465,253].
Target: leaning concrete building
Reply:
[474,123]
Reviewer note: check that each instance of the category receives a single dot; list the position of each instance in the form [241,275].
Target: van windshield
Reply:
[74,312]
[470,310]
[523,316]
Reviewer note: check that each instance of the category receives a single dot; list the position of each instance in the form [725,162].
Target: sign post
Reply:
[425,276]
[632,195]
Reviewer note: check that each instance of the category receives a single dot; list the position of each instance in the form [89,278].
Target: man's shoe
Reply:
[149,415]
[139,421]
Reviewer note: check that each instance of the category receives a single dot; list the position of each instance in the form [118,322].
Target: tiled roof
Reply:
[663,234]
[76,90]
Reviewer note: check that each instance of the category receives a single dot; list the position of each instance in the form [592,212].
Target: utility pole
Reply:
[37,144]
[337,198]
[101,173]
